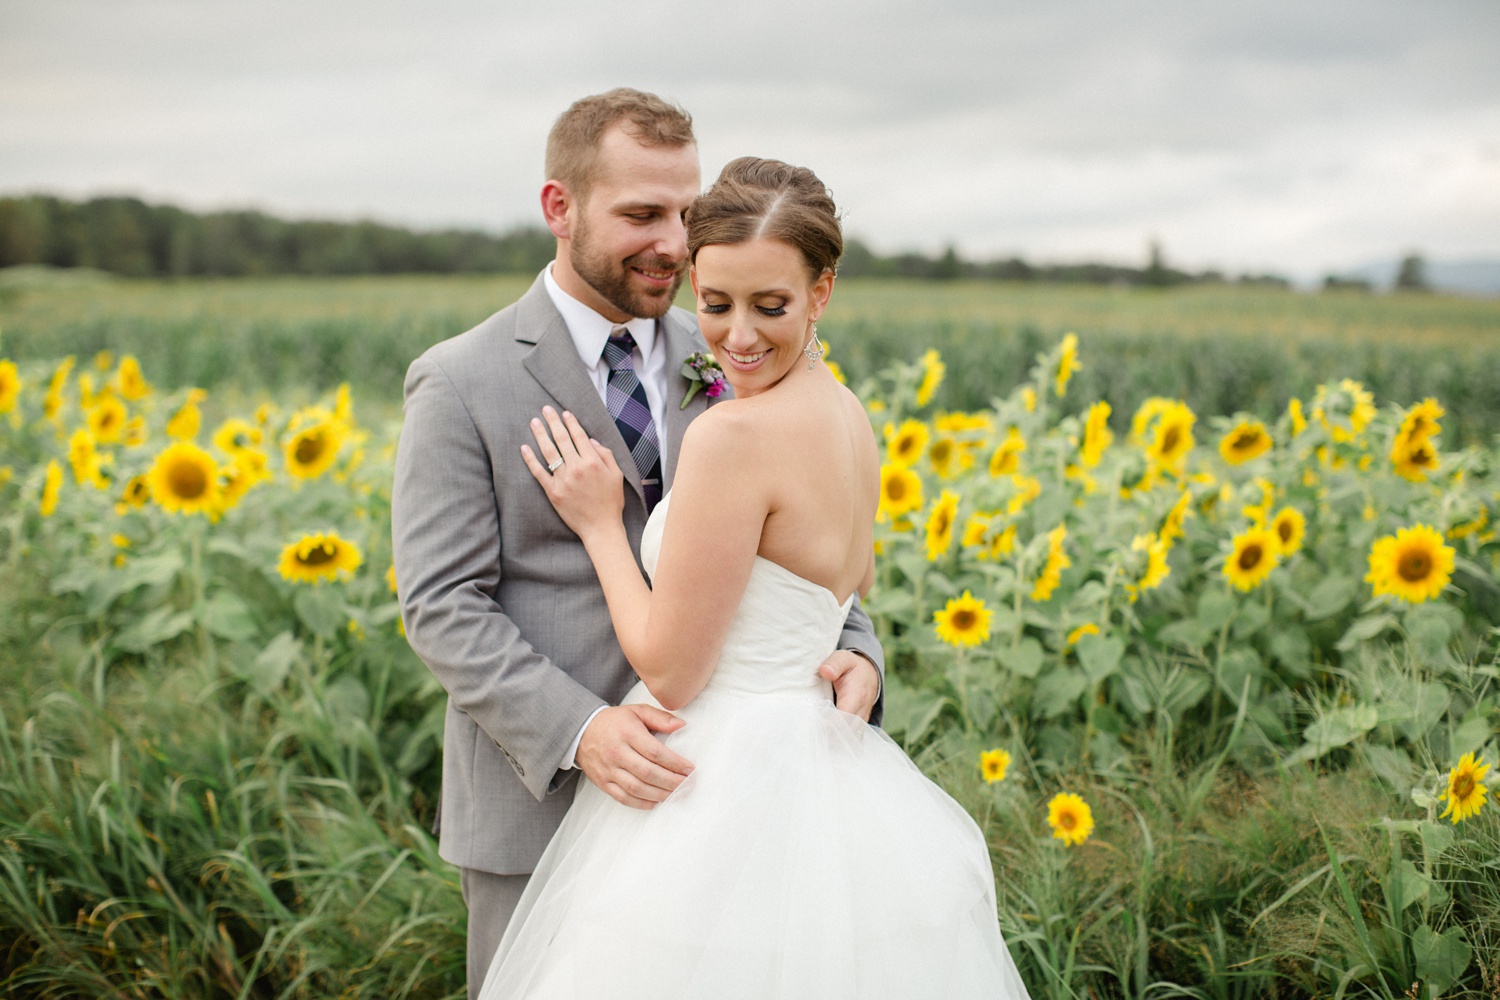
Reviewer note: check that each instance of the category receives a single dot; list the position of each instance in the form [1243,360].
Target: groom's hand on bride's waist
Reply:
[856,682]
[620,753]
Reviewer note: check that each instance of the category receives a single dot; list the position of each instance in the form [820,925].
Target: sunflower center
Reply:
[1284,530]
[1463,786]
[1245,440]
[940,451]
[318,556]
[963,619]
[309,447]
[1415,566]
[1169,440]
[1067,821]
[896,489]
[188,480]
[1250,557]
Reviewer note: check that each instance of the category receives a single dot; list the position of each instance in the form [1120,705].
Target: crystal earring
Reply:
[813,354]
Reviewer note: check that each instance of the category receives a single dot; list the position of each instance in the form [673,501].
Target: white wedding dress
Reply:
[806,856]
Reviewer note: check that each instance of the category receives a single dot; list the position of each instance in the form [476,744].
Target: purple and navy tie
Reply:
[626,399]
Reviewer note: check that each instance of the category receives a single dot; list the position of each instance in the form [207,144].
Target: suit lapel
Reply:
[682,340]
[553,361]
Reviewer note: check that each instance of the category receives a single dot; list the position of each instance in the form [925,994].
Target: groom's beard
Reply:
[611,278]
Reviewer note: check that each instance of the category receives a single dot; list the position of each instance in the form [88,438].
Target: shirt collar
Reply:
[589,329]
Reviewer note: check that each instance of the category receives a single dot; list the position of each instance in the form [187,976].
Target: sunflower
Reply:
[1070,817]
[932,377]
[1027,489]
[964,621]
[1472,527]
[1028,398]
[1088,628]
[1421,421]
[1096,435]
[1156,569]
[1146,416]
[1057,561]
[137,491]
[235,435]
[129,381]
[343,403]
[107,418]
[51,487]
[390,578]
[1414,457]
[1289,527]
[1173,438]
[948,458]
[905,444]
[993,765]
[247,469]
[1171,525]
[1067,363]
[1344,411]
[10,386]
[1465,793]
[88,464]
[311,451]
[314,558]
[940,525]
[1006,460]
[837,371]
[1294,414]
[185,422]
[1248,440]
[980,533]
[964,423]
[53,401]
[900,491]
[1413,564]
[185,479]
[1256,552]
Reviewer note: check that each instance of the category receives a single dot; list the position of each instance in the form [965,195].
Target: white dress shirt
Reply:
[590,331]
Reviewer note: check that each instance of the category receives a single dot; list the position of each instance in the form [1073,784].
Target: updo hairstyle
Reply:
[767,199]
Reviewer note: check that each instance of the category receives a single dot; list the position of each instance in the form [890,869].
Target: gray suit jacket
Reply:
[498,595]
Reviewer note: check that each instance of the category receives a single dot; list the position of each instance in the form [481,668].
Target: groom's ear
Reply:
[557,200]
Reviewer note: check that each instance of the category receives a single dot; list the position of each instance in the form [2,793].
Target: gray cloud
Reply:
[1242,134]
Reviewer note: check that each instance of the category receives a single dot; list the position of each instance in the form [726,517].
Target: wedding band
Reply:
[555,465]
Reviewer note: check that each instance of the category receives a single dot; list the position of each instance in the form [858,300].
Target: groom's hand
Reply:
[856,682]
[620,754]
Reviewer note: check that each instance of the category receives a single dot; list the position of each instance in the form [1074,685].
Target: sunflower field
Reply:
[1222,690]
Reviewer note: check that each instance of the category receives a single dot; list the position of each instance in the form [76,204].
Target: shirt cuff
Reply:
[570,761]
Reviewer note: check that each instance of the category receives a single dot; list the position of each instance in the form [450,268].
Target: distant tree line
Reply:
[130,237]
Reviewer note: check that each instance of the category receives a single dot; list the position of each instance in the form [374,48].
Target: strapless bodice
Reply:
[784,628]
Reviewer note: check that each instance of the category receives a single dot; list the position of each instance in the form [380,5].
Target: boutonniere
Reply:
[702,372]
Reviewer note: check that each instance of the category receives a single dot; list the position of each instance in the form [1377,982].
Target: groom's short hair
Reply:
[573,143]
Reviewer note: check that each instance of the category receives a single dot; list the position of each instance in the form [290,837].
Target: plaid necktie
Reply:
[626,399]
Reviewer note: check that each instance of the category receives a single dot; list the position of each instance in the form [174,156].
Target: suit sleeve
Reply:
[445,534]
[859,637]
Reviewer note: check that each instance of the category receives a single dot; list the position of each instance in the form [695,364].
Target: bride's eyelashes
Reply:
[715,308]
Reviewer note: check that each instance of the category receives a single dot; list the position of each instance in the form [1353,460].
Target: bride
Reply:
[805,856]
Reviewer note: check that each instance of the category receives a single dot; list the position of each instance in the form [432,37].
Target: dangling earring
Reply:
[813,354]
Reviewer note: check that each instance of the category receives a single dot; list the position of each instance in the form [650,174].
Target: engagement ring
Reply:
[555,465]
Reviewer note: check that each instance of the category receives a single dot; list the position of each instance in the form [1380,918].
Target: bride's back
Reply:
[822,471]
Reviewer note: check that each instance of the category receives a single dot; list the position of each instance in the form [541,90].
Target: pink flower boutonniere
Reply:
[702,372]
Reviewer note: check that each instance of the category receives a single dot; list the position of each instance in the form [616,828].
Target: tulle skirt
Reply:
[806,856]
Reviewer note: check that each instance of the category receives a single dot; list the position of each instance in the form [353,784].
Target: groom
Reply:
[498,596]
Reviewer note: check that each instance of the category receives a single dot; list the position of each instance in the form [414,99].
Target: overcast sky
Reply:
[1285,135]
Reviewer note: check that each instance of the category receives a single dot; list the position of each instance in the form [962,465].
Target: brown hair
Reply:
[573,143]
[767,199]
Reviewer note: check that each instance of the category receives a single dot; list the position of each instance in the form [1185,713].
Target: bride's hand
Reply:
[585,484]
